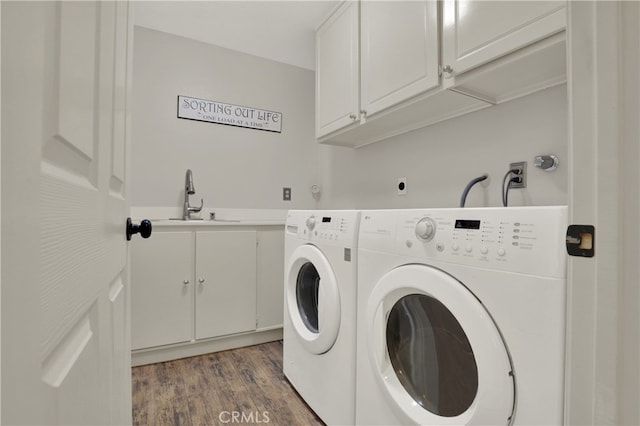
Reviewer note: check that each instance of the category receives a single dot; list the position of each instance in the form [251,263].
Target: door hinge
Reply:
[581,240]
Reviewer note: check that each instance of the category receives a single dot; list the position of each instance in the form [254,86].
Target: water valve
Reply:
[548,163]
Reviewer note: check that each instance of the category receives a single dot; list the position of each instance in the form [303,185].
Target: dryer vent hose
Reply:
[467,188]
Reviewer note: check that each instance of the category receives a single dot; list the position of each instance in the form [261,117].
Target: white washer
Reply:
[319,310]
[461,316]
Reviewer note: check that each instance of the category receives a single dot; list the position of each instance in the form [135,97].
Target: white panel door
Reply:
[476,32]
[225,283]
[337,70]
[65,121]
[399,51]
[161,289]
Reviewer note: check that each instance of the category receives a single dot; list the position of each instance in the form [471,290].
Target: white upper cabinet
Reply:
[337,70]
[399,52]
[377,72]
[381,69]
[476,32]
[512,47]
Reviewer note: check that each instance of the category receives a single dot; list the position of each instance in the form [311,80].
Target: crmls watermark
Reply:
[238,417]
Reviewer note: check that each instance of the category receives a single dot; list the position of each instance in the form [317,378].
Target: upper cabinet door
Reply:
[476,32]
[399,52]
[337,68]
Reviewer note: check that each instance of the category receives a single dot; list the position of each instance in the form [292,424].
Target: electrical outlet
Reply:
[521,174]
[286,194]
[402,186]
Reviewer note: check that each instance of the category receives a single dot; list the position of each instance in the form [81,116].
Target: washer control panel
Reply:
[518,239]
[338,227]
[330,228]
[426,229]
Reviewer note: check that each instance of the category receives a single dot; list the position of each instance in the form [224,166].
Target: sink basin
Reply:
[200,219]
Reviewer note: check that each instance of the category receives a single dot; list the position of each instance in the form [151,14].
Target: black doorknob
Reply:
[144,228]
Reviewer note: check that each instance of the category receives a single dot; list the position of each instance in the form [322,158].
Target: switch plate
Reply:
[286,194]
[402,186]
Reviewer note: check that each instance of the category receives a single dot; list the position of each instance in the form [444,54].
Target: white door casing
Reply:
[0,216]
[603,302]
[66,76]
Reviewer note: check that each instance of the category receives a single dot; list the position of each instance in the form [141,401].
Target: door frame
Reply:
[0,214]
[603,345]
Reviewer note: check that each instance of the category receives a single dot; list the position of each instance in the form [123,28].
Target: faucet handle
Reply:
[197,209]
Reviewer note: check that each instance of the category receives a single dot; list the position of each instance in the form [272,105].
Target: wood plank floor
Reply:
[238,386]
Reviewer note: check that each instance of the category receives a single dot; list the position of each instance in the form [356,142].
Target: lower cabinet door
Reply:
[225,283]
[161,289]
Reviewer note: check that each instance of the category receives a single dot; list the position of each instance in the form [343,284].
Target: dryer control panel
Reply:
[527,240]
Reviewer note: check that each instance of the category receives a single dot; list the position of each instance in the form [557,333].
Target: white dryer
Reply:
[461,316]
[320,310]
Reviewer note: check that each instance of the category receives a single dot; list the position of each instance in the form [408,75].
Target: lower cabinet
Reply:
[196,285]
[161,289]
[225,300]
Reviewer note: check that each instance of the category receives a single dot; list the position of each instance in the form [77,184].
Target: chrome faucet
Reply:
[188,190]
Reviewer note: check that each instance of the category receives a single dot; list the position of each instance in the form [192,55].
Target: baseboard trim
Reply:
[201,347]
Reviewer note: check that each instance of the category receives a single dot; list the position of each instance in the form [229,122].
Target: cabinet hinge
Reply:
[581,240]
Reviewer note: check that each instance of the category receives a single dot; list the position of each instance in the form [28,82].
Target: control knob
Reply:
[426,229]
[311,222]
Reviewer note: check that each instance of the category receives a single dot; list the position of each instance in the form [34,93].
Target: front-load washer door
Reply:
[313,299]
[435,350]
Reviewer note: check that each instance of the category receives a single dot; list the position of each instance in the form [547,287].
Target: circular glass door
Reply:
[431,355]
[313,299]
[307,289]
[436,351]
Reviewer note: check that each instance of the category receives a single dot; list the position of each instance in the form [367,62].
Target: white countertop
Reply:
[205,223]
[164,217]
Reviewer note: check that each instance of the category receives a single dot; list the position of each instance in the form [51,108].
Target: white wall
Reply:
[244,168]
[439,160]
[233,167]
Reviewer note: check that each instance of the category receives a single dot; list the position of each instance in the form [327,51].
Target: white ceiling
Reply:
[279,30]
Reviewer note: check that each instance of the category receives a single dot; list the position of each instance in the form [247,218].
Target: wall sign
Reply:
[231,115]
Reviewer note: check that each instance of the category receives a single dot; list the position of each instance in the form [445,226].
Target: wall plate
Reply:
[402,186]
[522,167]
